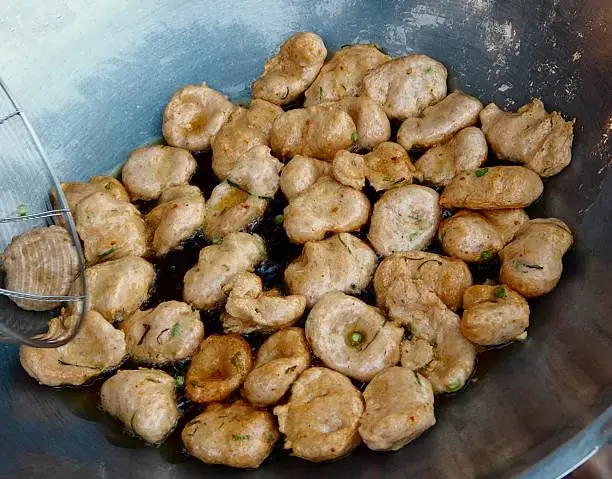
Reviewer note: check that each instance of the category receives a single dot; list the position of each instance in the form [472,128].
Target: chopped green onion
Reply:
[235,359]
[278,219]
[180,381]
[481,172]
[240,437]
[286,94]
[523,267]
[354,137]
[380,48]
[236,185]
[485,255]
[414,235]
[107,252]
[22,210]
[355,338]
[344,244]
[241,188]
[320,93]
[500,292]
[418,379]
[454,386]
[438,262]
[176,330]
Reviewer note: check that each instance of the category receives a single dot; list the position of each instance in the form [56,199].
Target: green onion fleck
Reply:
[523,267]
[236,359]
[380,48]
[22,210]
[286,94]
[355,338]
[414,235]
[500,292]
[481,172]
[320,93]
[278,219]
[454,386]
[240,437]
[180,381]
[233,184]
[107,252]
[344,244]
[176,330]
[485,255]
[354,137]
[418,379]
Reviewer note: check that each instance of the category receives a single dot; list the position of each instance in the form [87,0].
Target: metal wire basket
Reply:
[26,184]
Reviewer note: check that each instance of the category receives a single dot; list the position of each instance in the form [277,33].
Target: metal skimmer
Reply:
[26,184]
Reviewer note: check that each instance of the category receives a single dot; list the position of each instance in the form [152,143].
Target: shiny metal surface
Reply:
[25,204]
[94,77]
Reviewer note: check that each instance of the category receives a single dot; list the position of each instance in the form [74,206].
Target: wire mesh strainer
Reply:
[26,184]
